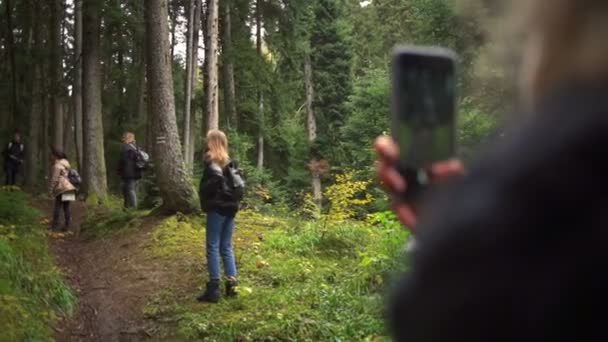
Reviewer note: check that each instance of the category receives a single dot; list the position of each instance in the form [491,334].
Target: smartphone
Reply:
[424,112]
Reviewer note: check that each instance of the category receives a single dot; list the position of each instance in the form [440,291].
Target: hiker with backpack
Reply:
[61,188]
[131,165]
[13,158]
[220,192]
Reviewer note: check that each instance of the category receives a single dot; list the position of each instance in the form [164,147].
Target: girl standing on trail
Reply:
[60,188]
[221,208]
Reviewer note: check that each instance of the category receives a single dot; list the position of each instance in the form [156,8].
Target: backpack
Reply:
[74,178]
[142,159]
[9,155]
[233,185]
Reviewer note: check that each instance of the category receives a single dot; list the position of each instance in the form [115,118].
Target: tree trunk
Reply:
[212,103]
[311,121]
[33,151]
[204,21]
[258,29]
[77,90]
[10,41]
[46,129]
[195,73]
[188,91]
[228,68]
[175,188]
[68,130]
[94,172]
[57,73]
[173,17]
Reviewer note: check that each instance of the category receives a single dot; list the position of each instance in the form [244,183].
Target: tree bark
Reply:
[77,90]
[311,121]
[175,188]
[33,143]
[228,68]
[10,40]
[188,91]
[173,17]
[94,172]
[258,29]
[57,73]
[195,73]
[212,102]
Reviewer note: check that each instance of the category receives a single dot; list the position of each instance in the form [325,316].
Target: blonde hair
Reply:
[566,39]
[128,138]
[217,142]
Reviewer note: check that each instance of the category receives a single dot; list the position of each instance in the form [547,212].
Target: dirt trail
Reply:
[112,280]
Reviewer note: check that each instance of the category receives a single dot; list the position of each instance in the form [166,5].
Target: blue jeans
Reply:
[129,193]
[219,242]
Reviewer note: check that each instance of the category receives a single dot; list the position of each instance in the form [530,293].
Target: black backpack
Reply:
[235,183]
[233,186]
[74,178]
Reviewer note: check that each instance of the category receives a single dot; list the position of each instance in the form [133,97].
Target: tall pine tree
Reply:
[331,63]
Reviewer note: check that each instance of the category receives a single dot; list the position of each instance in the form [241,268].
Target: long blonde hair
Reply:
[567,39]
[217,142]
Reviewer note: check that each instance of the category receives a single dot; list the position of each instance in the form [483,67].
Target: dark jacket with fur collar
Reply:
[518,249]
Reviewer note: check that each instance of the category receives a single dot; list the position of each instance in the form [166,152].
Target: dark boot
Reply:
[212,293]
[231,285]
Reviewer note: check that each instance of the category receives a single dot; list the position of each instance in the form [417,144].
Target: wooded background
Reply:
[301,86]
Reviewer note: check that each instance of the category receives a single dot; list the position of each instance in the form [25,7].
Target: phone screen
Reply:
[424,100]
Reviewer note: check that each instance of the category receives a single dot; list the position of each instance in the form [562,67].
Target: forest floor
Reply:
[136,277]
[110,278]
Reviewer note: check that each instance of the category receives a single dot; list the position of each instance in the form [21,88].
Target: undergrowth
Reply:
[32,292]
[299,280]
[111,218]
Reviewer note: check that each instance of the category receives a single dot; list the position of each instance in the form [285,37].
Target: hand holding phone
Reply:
[388,153]
[423,125]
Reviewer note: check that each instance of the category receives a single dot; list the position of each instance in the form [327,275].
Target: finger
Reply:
[387,149]
[391,178]
[446,170]
[406,215]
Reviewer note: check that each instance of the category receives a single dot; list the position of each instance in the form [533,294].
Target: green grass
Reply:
[32,292]
[110,218]
[299,281]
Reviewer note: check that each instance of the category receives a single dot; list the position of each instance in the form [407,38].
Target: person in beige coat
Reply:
[60,188]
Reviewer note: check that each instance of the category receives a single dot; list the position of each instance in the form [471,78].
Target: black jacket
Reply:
[126,165]
[14,153]
[211,195]
[518,249]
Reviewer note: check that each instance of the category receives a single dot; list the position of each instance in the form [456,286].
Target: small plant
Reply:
[346,195]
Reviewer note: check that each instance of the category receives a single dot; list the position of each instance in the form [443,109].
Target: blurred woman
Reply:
[61,189]
[517,249]
[221,208]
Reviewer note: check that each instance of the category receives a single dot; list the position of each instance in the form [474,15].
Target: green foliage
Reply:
[346,196]
[299,280]
[474,128]
[32,292]
[14,209]
[331,64]
[369,117]
[104,220]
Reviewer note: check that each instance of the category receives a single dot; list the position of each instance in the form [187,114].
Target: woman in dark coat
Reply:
[517,249]
[221,208]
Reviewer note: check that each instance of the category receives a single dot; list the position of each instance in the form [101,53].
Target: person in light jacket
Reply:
[60,188]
